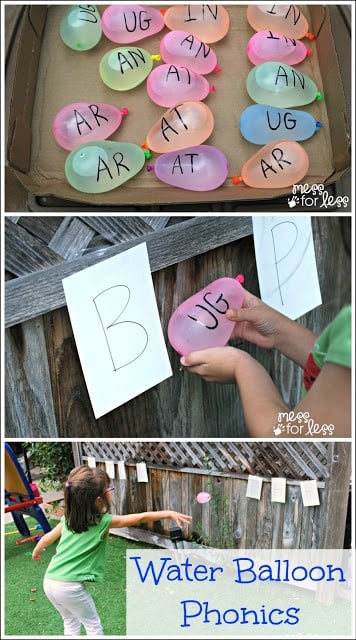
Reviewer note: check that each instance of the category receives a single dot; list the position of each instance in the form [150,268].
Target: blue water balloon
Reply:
[262,124]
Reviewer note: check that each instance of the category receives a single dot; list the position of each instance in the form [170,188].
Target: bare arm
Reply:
[46,540]
[327,403]
[149,516]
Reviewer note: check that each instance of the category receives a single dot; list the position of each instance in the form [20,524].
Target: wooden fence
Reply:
[45,390]
[230,519]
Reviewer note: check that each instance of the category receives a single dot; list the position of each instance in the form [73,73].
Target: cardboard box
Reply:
[48,75]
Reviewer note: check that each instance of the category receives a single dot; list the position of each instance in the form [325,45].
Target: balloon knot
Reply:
[212,88]
[144,146]
[156,56]
[147,153]
[240,278]
[237,179]
[218,69]
[319,96]
[309,52]
[124,111]
[318,125]
[162,11]
[150,167]
[310,36]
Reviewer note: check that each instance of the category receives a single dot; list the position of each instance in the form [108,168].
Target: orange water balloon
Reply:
[185,125]
[276,165]
[286,19]
[210,23]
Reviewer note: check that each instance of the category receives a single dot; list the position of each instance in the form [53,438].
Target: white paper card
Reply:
[310,495]
[278,489]
[286,265]
[141,472]
[117,329]
[121,470]
[254,487]
[110,469]
[91,463]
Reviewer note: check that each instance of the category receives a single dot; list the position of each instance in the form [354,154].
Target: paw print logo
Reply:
[277,430]
[292,202]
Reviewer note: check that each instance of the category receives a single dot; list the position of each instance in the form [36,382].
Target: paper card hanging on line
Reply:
[141,470]
[110,469]
[91,462]
[117,329]
[286,265]
[310,495]
[121,470]
[278,489]
[254,487]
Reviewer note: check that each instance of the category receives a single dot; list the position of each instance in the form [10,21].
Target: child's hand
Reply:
[217,364]
[35,556]
[181,519]
[256,322]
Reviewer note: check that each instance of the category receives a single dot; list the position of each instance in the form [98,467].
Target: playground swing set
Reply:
[22,497]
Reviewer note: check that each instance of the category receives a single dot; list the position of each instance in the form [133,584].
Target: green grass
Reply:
[27,610]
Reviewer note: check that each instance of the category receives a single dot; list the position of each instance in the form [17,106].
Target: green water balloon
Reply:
[80,27]
[124,68]
[280,85]
[97,167]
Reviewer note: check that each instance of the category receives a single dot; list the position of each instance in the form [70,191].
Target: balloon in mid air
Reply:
[286,19]
[280,85]
[130,22]
[200,321]
[262,123]
[80,27]
[184,49]
[209,23]
[124,68]
[203,497]
[186,124]
[276,165]
[168,84]
[198,168]
[267,46]
[81,122]
[97,167]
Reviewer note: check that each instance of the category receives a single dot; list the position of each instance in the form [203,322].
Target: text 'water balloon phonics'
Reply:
[286,19]
[81,122]
[209,23]
[280,85]
[200,322]
[129,23]
[276,165]
[186,124]
[261,123]
[124,68]
[198,168]
[80,27]
[267,46]
[168,84]
[97,167]
[182,48]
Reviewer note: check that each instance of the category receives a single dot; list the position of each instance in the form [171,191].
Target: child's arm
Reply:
[149,516]
[46,541]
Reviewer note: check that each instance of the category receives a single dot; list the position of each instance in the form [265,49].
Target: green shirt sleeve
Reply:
[339,348]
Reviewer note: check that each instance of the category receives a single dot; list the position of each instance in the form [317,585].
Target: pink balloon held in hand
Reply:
[203,497]
[200,322]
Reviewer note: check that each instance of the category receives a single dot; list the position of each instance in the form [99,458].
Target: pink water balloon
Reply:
[270,45]
[182,48]
[169,84]
[200,321]
[210,23]
[286,19]
[81,122]
[203,497]
[130,22]
[278,164]
[185,125]
[198,168]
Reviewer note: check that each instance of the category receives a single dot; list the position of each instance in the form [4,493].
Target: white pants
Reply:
[76,606]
